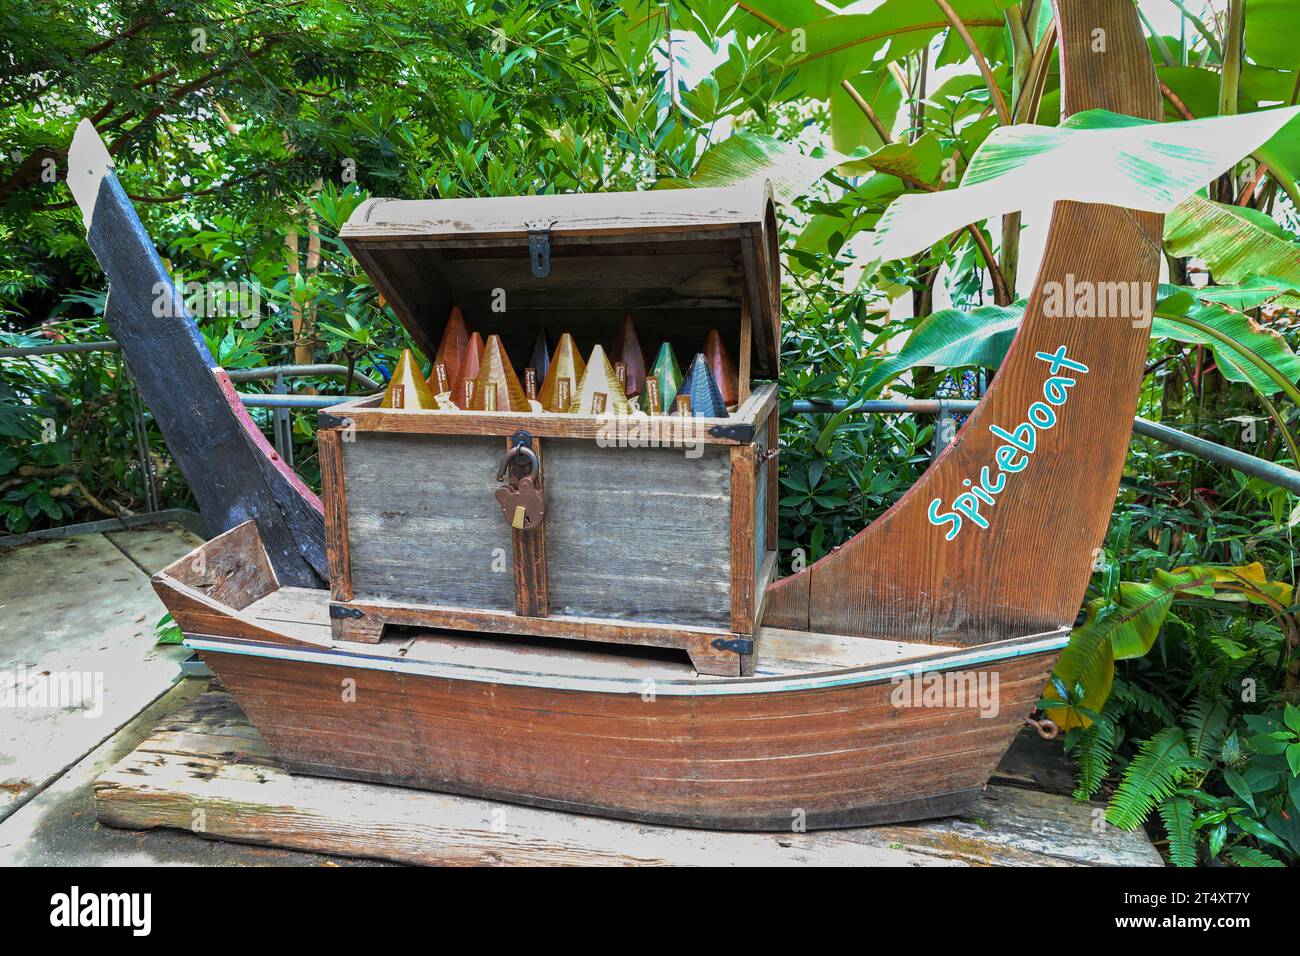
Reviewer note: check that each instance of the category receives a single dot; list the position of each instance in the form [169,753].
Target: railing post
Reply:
[283,424]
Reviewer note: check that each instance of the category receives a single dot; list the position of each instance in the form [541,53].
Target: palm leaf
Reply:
[1094,752]
[1250,856]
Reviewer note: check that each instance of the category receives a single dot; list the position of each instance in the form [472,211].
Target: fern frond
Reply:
[1151,777]
[1094,751]
[1176,812]
[1207,724]
[1250,856]
[1144,702]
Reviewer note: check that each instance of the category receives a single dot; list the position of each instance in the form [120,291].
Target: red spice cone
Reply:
[723,368]
[452,348]
[468,371]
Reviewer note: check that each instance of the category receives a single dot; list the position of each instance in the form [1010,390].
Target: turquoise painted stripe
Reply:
[974,657]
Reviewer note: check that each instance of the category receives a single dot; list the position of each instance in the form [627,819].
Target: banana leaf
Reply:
[1237,244]
[840,46]
[953,338]
[1094,156]
[1127,629]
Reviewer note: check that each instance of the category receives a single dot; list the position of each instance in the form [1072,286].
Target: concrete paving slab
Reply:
[77,654]
[58,826]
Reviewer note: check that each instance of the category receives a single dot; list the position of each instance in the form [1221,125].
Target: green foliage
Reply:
[247,151]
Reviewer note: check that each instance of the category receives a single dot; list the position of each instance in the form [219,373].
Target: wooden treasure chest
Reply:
[642,512]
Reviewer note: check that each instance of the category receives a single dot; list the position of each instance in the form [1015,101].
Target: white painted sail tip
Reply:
[88,164]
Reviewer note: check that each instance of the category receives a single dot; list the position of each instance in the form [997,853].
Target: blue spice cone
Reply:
[706,398]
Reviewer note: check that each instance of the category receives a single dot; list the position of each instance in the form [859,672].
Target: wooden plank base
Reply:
[205,769]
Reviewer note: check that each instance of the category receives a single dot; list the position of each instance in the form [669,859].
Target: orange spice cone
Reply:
[407,388]
[599,380]
[452,348]
[627,349]
[566,366]
[723,368]
[495,374]
[468,373]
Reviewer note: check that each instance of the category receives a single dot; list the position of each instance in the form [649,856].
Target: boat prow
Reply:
[831,731]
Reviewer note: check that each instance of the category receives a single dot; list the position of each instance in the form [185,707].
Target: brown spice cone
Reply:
[452,348]
[628,350]
[495,369]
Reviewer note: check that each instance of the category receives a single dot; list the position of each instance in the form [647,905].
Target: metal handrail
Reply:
[1247,464]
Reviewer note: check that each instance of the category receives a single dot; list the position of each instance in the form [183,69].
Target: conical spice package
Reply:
[468,373]
[706,399]
[723,368]
[599,391]
[452,348]
[407,388]
[497,378]
[669,375]
[627,349]
[566,366]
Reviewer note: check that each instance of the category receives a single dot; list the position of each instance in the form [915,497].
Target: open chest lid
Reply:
[680,261]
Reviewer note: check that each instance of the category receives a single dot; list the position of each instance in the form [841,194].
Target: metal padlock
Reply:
[522,503]
[521,500]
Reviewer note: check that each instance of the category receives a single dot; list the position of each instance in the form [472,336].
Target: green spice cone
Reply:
[669,375]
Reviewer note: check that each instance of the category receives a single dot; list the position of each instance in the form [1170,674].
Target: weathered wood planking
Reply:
[666,257]
[632,533]
[423,523]
[837,755]
[639,534]
[1029,568]
[208,757]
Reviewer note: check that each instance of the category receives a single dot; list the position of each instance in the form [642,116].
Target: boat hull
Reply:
[829,750]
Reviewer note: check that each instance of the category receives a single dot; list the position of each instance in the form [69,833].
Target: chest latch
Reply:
[539,246]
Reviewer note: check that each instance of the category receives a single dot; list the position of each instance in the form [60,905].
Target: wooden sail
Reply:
[1029,568]
[234,473]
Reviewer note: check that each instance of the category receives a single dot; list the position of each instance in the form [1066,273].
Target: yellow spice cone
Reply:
[407,388]
[566,365]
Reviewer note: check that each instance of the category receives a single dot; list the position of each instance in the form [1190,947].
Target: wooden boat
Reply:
[835,727]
